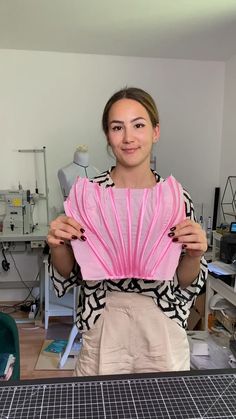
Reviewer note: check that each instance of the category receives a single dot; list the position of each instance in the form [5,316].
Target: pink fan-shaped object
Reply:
[126,229]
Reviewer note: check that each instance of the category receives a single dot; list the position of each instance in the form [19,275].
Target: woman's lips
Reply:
[129,150]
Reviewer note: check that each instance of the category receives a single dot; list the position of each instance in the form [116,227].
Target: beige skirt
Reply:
[132,336]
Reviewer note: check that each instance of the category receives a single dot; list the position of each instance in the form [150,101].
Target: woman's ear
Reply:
[156,133]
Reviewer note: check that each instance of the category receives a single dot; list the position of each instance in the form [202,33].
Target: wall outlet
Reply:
[36,244]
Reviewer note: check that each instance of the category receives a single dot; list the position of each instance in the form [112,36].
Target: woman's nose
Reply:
[127,137]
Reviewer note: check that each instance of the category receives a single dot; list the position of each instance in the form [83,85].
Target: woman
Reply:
[132,325]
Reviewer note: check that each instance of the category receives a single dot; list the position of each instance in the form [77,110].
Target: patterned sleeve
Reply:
[191,292]
[63,285]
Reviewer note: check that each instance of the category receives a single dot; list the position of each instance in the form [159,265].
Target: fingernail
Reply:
[83,238]
[175,239]
[172,228]
[171,234]
[74,237]
[82,230]
[61,242]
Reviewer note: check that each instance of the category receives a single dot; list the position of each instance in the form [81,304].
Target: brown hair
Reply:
[133,93]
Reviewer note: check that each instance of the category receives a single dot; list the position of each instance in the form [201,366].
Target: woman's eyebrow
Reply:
[116,121]
[139,117]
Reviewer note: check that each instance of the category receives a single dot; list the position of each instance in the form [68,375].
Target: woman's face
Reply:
[130,133]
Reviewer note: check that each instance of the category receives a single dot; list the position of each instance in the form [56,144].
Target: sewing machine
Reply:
[18,211]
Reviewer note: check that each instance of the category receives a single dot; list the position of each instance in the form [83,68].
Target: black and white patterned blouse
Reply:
[172,300]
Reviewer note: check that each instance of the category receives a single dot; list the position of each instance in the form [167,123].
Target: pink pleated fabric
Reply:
[126,229]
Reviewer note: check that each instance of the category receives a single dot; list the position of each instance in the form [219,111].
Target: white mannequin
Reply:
[81,156]
[79,167]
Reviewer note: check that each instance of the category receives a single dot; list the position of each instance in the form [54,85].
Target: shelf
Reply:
[57,310]
[226,291]
[63,306]
[18,284]
[232,214]
[55,306]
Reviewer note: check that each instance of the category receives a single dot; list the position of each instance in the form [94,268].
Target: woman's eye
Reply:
[116,128]
[139,125]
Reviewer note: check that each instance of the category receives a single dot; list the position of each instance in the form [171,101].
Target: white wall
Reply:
[56,100]
[228,152]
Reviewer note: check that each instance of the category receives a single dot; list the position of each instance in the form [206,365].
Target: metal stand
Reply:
[229,208]
[41,150]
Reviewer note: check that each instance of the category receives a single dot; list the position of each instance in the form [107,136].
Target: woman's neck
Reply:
[132,177]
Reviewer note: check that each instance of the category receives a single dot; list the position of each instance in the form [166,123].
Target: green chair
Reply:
[9,341]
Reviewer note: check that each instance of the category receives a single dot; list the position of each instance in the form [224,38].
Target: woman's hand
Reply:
[62,230]
[192,237]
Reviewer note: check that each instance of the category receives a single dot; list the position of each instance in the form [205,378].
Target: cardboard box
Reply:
[196,320]
[193,320]
[200,304]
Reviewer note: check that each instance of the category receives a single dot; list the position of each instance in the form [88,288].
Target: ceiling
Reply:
[182,29]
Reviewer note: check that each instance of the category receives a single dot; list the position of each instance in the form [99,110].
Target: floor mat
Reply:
[46,362]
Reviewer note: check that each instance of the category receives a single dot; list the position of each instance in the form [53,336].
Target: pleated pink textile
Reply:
[126,229]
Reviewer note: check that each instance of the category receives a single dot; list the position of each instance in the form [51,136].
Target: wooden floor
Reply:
[31,341]
[31,338]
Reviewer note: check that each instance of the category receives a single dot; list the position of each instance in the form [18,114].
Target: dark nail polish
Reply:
[175,239]
[74,237]
[184,246]
[172,228]
[83,238]
[171,234]
[61,242]
[82,230]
